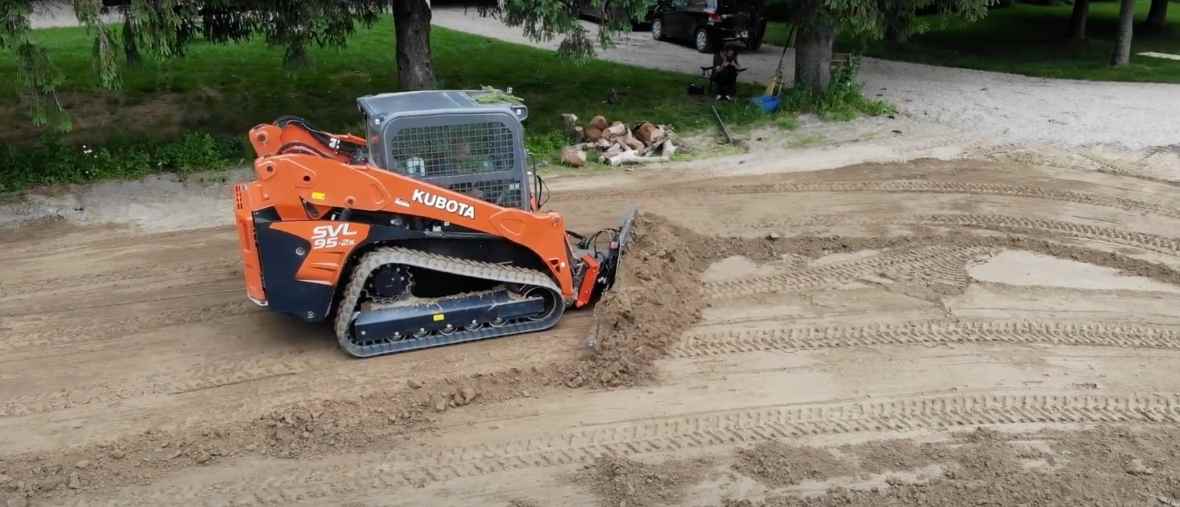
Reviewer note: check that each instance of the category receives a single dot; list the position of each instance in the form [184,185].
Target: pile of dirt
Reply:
[777,464]
[621,482]
[890,455]
[656,296]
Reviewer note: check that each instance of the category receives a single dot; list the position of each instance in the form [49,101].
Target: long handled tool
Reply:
[775,86]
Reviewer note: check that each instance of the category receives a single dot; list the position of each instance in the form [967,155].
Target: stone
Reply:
[1137,467]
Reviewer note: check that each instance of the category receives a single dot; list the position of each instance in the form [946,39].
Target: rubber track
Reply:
[391,471]
[917,186]
[464,267]
[934,262]
[704,343]
[1004,223]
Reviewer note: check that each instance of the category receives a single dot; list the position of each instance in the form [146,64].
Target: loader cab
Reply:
[460,140]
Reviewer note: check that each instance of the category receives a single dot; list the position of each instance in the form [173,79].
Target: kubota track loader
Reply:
[427,232]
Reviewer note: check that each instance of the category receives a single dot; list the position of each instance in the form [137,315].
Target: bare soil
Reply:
[920,332]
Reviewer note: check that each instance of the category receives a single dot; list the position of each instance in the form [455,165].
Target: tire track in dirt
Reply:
[82,335]
[195,378]
[909,186]
[941,263]
[705,343]
[138,275]
[674,433]
[328,365]
[1000,223]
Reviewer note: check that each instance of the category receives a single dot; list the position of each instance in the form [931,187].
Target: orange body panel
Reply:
[289,181]
[251,267]
[331,244]
[587,289]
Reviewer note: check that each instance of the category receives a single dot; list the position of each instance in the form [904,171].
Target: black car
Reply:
[709,24]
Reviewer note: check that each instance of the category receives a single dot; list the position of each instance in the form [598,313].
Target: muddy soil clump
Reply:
[777,464]
[619,481]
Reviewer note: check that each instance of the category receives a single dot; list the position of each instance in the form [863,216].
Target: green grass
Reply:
[1029,39]
[218,92]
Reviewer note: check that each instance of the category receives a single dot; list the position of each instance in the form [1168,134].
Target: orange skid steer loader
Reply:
[427,232]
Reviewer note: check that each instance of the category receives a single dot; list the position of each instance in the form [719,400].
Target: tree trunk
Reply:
[896,36]
[411,20]
[1077,21]
[296,56]
[1157,17]
[1122,50]
[130,46]
[813,54]
[898,18]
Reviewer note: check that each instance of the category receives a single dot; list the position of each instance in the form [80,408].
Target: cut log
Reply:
[632,142]
[615,150]
[649,133]
[573,157]
[599,122]
[630,157]
[593,134]
[569,123]
[616,129]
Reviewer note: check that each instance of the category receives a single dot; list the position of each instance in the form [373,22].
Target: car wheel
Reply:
[703,40]
[657,29]
[754,41]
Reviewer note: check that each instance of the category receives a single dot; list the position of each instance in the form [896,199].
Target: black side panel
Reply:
[277,249]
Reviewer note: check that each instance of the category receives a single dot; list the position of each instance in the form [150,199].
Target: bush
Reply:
[52,162]
[843,100]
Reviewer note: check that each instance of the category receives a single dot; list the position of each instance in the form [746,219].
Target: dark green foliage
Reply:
[1029,39]
[843,100]
[53,163]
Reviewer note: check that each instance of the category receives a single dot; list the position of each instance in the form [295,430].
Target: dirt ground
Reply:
[1002,329]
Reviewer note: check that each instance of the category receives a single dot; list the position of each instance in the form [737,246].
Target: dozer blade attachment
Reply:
[618,247]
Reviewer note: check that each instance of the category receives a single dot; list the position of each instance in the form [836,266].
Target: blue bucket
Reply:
[766,103]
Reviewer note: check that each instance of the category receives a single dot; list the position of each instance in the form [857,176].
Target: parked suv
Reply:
[708,24]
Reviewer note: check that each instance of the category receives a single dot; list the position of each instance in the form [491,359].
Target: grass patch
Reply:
[194,111]
[1030,40]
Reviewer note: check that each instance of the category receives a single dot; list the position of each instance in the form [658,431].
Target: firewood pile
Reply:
[615,143]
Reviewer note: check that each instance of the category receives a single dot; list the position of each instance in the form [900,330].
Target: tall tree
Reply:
[1157,17]
[162,28]
[1077,20]
[544,20]
[813,47]
[415,67]
[1122,50]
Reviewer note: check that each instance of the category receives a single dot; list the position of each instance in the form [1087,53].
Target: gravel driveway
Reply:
[1004,108]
